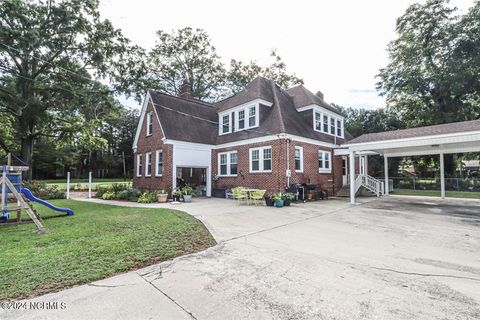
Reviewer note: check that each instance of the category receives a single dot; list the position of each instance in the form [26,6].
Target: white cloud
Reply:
[335,46]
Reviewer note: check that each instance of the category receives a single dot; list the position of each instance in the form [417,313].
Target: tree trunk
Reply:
[27,155]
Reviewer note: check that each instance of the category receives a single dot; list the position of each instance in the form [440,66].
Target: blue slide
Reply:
[29,195]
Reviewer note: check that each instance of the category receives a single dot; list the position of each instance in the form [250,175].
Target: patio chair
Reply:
[239,194]
[257,196]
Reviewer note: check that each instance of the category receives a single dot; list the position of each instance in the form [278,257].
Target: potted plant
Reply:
[278,201]
[162,196]
[268,201]
[187,193]
[287,198]
[176,195]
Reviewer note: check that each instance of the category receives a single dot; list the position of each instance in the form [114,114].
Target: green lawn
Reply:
[97,242]
[436,193]
[80,184]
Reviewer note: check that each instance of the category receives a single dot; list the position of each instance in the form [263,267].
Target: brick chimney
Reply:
[320,94]
[186,89]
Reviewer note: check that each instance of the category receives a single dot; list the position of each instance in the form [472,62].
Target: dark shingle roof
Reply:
[455,127]
[195,121]
[303,97]
[185,120]
[259,88]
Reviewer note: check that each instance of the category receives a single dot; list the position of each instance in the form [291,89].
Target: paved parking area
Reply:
[392,258]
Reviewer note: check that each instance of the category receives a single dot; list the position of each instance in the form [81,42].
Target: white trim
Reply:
[148,158]
[148,99]
[325,169]
[228,164]
[272,138]
[139,168]
[157,152]
[329,116]
[261,152]
[246,104]
[301,159]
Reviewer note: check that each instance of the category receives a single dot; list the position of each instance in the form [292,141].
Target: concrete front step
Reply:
[364,192]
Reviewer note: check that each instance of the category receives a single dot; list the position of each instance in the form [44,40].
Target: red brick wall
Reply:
[151,144]
[276,180]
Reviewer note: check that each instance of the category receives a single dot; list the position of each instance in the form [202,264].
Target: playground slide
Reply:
[29,195]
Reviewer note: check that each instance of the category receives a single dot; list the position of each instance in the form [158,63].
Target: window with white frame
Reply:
[227,163]
[339,128]
[225,128]
[159,163]
[241,120]
[324,161]
[318,121]
[139,165]
[325,123]
[252,117]
[148,164]
[149,123]
[261,159]
[298,159]
[332,125]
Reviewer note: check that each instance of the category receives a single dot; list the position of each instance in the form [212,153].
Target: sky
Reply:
[336,46]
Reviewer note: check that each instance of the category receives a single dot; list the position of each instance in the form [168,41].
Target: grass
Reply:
[436,193]
[97,242]
[81,185]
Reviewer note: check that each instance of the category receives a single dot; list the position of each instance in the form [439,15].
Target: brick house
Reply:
[263,137]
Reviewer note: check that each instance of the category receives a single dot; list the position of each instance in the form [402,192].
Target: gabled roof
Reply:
[303,97]
[185,120]
[259,88]
[448,128]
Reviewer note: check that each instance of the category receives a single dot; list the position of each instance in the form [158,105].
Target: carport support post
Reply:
[442,177]
[385,166]
[352,177]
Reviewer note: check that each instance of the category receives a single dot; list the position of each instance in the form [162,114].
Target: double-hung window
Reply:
[318,121]
[148,164]
[226,123]
[325,123]
[252,116]
[159,163]
[298,159]
[241,120]
[324,161]
[227,163]
[339,128]
[149,123]
[332,126]
[261,159]
[139,165]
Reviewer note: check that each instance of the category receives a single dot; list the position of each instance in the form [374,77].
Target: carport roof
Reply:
[448,128]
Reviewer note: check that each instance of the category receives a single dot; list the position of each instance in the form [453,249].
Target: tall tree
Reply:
[240,74]
[433,73]
[50,51]
[185,53]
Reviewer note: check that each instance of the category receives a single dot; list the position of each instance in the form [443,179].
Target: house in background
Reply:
[262,137]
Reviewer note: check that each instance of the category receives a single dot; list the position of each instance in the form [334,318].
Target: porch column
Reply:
[209,181]
[366,165]
[385,168]
[352,177]
[442,177]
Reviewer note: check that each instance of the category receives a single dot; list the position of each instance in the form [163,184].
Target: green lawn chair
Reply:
[239,195]
[257,196]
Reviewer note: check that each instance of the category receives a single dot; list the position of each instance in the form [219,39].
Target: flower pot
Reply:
[269,201]
[286,202]
[176,198]
[278,203]
[162,197]
[187,198]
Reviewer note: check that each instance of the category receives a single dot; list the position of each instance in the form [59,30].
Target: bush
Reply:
[130,194]
[147,197]
[101,190]
[109,195]
[118,187]
[44,191]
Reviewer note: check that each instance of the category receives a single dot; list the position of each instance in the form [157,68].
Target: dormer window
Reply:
[241,120]
[252,116]
[329,123]
[225,124]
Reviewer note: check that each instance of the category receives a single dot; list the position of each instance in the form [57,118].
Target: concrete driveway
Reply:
[393,258]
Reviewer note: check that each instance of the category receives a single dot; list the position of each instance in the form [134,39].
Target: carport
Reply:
[457,137]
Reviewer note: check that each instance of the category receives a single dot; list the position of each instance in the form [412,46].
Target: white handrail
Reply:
[372,184]
[358,182]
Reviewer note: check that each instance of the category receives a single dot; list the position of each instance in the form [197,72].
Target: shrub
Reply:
[147,197]
[130,194]
[44,191]
[187,190]
[101,190]
[117,187]
[109,195]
